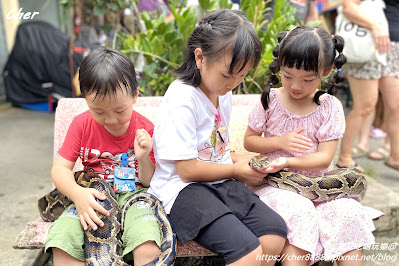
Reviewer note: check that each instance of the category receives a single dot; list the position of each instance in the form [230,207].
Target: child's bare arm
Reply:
[318,160]
[236,157]
[315,161]
[198,171]
[142,149]
[292,142]
[84,198]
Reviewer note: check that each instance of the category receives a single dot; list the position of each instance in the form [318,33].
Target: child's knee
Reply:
[60,257]
[272,244]
[251,258]
[148,250]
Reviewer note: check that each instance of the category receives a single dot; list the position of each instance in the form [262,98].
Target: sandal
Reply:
[358,152]
[354,165]
[394,166]
[380,154]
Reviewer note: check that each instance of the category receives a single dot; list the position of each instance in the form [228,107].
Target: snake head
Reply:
[259,162]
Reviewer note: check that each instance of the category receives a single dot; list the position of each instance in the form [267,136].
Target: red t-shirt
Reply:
[99,150]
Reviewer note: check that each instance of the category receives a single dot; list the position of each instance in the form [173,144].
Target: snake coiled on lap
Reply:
[335,184]
[103,246]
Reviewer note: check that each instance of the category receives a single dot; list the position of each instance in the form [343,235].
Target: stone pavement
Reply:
[26,140]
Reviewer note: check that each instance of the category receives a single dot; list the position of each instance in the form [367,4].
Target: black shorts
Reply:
[227,218]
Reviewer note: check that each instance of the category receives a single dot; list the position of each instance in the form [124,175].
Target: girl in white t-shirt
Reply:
[198,178]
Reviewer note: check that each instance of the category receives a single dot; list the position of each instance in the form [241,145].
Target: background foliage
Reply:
[163,45]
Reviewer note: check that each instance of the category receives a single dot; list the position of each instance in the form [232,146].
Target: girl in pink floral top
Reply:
[301,127]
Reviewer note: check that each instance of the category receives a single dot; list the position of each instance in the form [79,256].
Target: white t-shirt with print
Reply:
[188,126]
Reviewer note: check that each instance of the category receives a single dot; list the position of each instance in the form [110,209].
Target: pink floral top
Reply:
[325,123]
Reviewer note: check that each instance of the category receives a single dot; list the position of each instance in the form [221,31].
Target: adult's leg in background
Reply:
[365,95]
[389,87]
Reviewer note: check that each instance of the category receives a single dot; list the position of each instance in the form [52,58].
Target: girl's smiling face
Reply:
[299,83]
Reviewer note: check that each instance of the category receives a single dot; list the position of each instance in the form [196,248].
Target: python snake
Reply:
[335,184]
[103,246]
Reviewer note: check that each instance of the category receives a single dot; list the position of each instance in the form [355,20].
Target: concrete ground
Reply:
[26,141]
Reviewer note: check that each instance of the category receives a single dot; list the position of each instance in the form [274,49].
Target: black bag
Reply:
[39,64]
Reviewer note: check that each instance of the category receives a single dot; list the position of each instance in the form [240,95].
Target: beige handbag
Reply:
[359,42]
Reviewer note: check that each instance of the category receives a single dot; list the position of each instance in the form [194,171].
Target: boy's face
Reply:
[112,111]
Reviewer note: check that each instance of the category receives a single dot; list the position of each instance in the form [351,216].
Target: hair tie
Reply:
[270,84]
[288,33]
[332,36]
[339,69]
[335,84]
[291,30]
[340,53]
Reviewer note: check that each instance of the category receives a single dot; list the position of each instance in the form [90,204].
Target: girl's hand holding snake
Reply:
[276,165]
[243,172]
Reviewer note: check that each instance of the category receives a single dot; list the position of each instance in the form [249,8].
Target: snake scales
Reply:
[103,246]
[335,184]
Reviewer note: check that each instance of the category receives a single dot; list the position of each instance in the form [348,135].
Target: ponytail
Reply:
[274,68]
[331,86]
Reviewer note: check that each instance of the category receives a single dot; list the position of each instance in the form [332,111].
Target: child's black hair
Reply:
[311,49]
[222,30]
[106,71]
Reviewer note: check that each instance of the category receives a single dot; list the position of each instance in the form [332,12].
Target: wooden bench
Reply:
[34,233]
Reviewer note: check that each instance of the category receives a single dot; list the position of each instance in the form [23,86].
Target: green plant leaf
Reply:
[157,45]
[163,45]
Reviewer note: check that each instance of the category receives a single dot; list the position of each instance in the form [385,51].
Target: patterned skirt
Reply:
[326,230]
[376,70]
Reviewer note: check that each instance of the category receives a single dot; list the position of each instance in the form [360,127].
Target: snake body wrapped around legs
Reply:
[335,184]
[103,246]
[169,243]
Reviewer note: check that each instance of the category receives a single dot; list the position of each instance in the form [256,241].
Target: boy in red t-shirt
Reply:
[99,137]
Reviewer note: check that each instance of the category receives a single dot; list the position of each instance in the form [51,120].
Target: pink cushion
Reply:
[37,231]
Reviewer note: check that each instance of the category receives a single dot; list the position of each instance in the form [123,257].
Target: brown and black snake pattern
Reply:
[335,184]
[103,246]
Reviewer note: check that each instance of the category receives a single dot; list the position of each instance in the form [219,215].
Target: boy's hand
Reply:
[86,206]
[142,144]
[245,173]
[295,142]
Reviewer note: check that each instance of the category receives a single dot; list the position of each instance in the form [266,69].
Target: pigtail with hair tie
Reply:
[331,86]
[273,80]
[275,68]
[338,77]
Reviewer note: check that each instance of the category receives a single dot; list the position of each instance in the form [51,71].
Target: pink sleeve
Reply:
[333,125]
[257,118]
[70,149]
